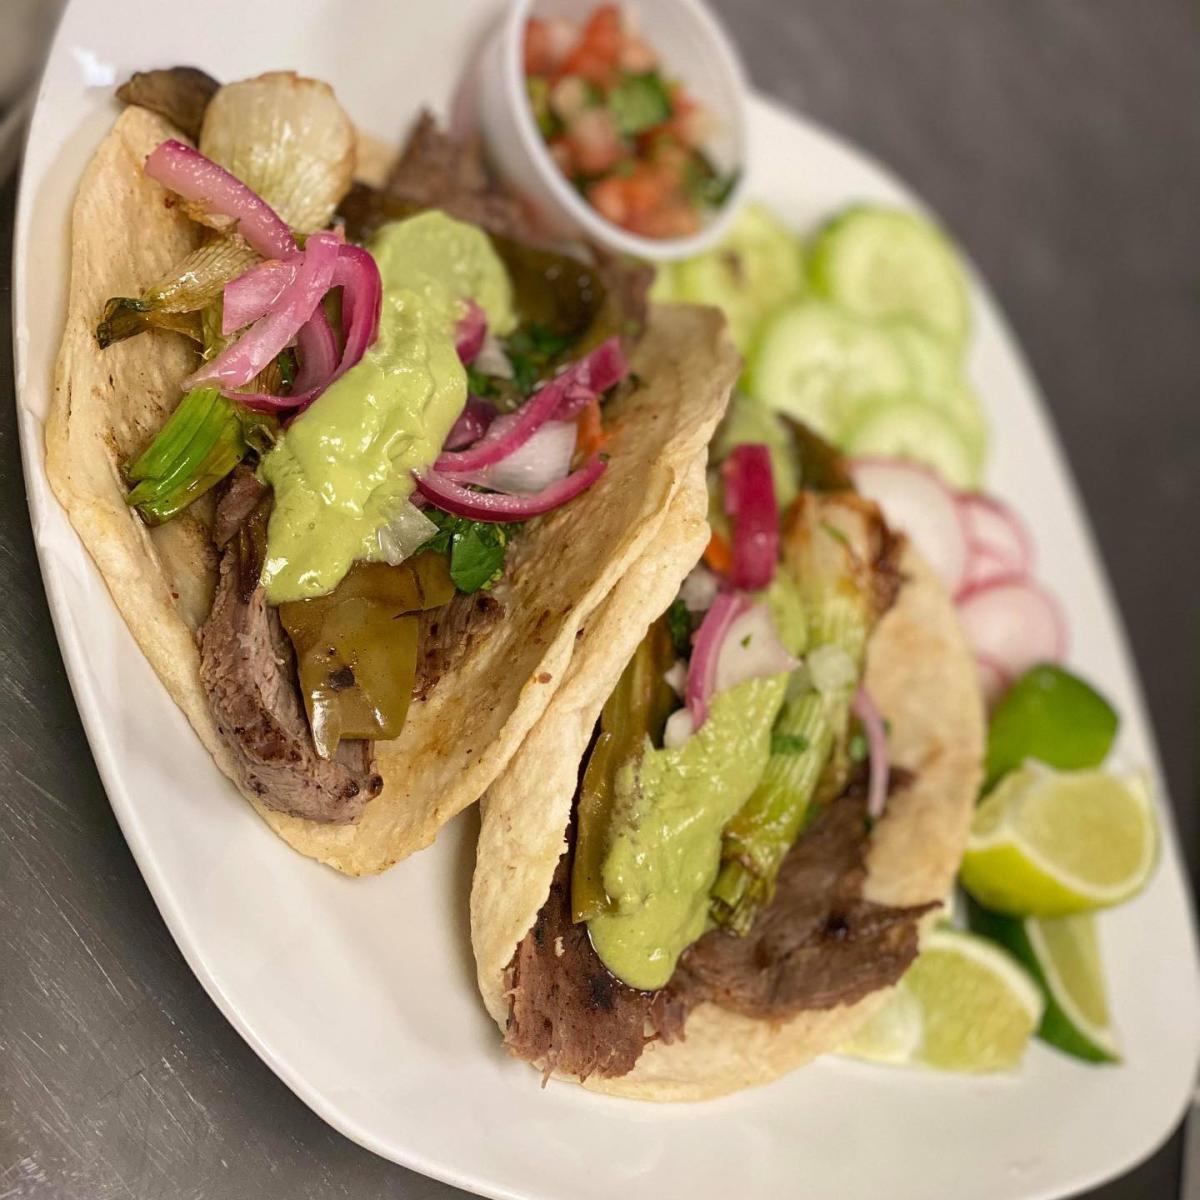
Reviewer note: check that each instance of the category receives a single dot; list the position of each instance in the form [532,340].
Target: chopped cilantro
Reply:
[538,88]
[479,384]
[746,641]
[788,743]
[533,350]
[857,748]
[476,549]
[639,102]
[705,185]
[679,624]
[286,362]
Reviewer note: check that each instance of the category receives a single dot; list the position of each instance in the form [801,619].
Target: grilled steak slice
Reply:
[249,674]
[438,170]
[445,636]
[181,94]
[818,944]
[568,1013]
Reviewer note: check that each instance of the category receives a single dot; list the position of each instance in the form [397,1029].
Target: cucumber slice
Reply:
[819,364]
[934,364]
[911,429]
[884,262]
[757,267]
[938,382]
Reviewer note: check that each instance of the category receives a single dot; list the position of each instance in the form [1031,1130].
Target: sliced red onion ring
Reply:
[357,274]
[198,179]
[706,651]
[591,376]
[750,502]
[452,497]
[877,747]
[557,399]
[543,460]
[317,350]
[470,332]
[471,425]
[240,362]
[253,294]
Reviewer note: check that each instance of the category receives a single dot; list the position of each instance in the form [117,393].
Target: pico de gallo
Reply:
[628,136]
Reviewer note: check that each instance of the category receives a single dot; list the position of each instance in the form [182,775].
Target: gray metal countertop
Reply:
[1060,141]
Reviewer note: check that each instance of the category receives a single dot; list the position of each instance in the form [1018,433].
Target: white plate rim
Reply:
[110,768]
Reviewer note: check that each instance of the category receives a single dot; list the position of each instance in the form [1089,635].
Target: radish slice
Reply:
[1014,624]
[983,568]
[994,530]
[993,680]
[916,502]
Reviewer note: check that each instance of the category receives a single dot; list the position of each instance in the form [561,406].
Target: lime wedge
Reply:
[964,1005]
[1063,956]
[1048,843]
[1053,716]
[894,1033]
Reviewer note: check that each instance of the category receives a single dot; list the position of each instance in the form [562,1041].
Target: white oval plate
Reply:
[360,995]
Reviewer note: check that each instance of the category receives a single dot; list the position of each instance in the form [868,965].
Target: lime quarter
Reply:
[1048,843]
[1062,954]
[964,1005]
[1053,716]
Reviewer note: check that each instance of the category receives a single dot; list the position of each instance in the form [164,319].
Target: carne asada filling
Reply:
[817,945]
[300,692]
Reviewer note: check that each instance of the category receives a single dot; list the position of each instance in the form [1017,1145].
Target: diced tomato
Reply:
[637,56]
[569,97]
[561,153]
[598,50]
[594,141]
[673,219]
[607,197]
[590,438]
[646,188]
[690,122]
[666,151]
[718,554]
[539,54]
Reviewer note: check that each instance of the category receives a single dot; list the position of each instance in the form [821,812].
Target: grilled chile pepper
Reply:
[356,648]
[637,709]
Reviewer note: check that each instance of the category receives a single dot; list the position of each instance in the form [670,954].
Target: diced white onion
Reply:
[831,669]
[678,729]
[699,589]
[541,461]
[751,650]
[676,677]
[406,529]
[491,359]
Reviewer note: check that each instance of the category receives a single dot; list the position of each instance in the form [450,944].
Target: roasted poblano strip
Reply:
[634,714]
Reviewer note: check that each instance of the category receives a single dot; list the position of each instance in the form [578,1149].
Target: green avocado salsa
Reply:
[666,848]
[342,469]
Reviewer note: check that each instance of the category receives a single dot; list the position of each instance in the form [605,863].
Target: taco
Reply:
[358,465]
[706,868]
